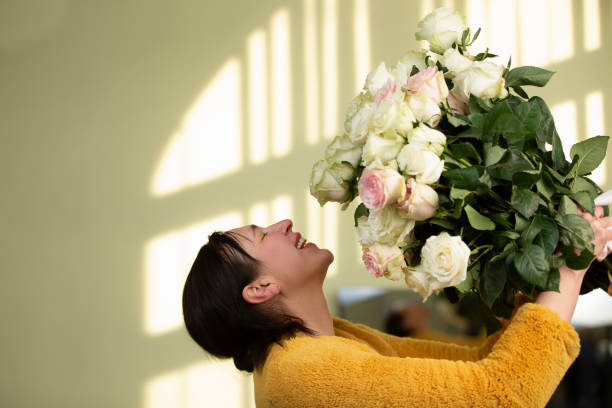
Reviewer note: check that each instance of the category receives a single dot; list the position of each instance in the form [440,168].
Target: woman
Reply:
[255,294]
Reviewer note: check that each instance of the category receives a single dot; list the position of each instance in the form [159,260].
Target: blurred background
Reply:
[131,129]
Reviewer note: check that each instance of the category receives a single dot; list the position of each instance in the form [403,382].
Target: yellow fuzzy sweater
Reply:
[361,367]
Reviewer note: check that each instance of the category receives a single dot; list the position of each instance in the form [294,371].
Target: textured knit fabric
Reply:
[361,367]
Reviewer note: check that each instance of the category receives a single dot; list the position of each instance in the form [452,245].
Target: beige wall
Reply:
[115,117]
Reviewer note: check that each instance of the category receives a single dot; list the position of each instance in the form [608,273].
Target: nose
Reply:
[283,226]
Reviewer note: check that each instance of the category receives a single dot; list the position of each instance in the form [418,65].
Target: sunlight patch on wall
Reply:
[281,83]
[425,7]
[502,30]
[565,121]
[167,260]
[561,30]
[258,97]
[361,45]
[475,18]
[282,208]
[546,31]
[208,384]
[533,32]
[258,215]
[322,229]
[208,143]
[592,27]
[311,69]
[448,3]
[330,68]
[594,110]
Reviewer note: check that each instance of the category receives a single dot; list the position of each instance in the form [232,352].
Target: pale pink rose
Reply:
[457,105]
[420,201]
[384,260]
[379,187]
[386,91]
[428,83]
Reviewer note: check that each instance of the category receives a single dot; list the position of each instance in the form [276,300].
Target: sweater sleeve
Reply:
[522,370]
[390,345]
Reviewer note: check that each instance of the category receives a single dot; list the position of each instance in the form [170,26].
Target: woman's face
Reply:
[276,247]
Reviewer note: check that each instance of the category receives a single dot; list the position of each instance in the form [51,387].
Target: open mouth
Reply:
[301,242]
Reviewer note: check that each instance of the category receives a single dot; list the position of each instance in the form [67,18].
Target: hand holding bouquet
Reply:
[463,182]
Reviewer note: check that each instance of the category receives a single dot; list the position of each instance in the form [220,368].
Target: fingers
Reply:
[599,211]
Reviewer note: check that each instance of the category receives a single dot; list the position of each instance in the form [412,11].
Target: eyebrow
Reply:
[254,231]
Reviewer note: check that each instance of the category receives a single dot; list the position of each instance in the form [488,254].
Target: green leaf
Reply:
[590,152]
[511,128]
[456,121]
[585,200]
[525,179]
[520,223]
[528,75]
[465,150]
[532,265]
[577,261]
[530,115]
[520,91]
[548,133]
[567,206]
[443,222]
[548,238]
[468,283]
[583,184]
[525,202]
[479,105]
[492,154]
[554,278]
[492,281]
[530,233]
[511,163]
[477,220]
[575,231]
[466,178]
[459,193]
[545,186]
[360,211]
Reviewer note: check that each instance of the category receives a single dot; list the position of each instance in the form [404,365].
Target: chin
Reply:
[328,255]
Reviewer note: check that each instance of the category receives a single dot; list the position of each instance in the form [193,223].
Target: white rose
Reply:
[357,121]
[441,28]
[420,202]
[403,68]
[431,139]
[384,260]
[331,181]
[425,110]
[418,280]
[377,78]
[445,258]
[383,147]
[405,118]
[416,160]
[426,90]
[455,62]
[482,79]
[384,226]
[384,116]
[343,149]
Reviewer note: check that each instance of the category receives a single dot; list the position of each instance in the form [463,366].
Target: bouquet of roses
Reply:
[463,182]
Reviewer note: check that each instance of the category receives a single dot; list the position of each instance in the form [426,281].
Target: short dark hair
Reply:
[215,313]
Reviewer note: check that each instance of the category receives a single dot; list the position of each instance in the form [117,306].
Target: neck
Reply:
[314,312]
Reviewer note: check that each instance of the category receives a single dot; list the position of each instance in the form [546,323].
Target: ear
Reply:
[260,291]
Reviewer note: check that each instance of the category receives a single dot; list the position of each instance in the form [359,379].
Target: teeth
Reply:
[300,243]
